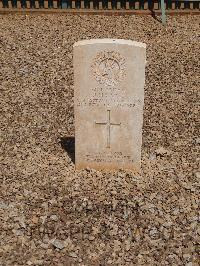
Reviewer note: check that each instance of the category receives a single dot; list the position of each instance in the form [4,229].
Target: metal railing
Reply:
[101,4]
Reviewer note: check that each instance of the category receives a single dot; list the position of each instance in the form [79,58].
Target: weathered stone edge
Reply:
[107,41]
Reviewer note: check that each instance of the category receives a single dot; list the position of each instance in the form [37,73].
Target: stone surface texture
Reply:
[109,96]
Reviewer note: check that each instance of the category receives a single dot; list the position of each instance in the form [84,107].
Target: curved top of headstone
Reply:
[109,41]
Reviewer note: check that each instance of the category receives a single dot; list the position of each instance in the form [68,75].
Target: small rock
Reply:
[127,245]
[58,244]
[91,238]
[45,246]
[152,156]
[161,151]
[68,242]
[117,245]
[35,220]
[18,232]
[197,175]
[54,218]
[189,264]
[38,262]
[73,254]
[95,230]
[3,205]
[197,141]
[43,218]
[102,245]
[167,224]
[153,232]
[22,223]
[186,256]
[137,234]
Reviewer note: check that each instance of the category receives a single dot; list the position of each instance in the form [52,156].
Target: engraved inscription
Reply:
[118,157]
[108,68]
[99,102]
[108,124]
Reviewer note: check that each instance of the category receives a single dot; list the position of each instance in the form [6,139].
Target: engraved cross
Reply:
[108,124]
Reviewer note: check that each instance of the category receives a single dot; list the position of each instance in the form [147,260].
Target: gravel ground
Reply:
[53,215]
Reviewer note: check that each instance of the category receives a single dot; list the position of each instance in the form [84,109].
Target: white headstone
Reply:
[109,80]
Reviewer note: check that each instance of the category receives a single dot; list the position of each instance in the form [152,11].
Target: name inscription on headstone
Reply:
[109,95]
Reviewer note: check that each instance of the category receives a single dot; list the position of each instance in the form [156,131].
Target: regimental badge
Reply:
[108,68]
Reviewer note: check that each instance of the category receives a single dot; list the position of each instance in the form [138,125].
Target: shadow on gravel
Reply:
[68,144]
[153,14]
